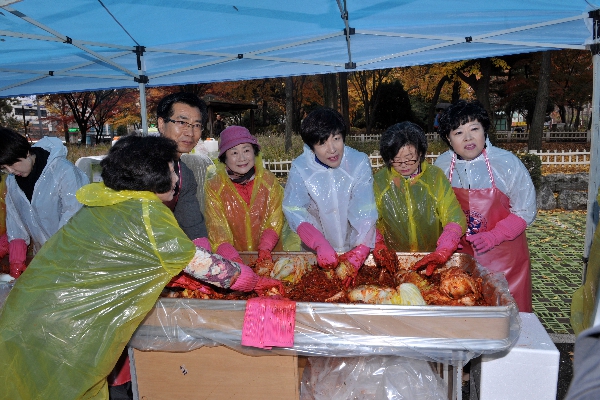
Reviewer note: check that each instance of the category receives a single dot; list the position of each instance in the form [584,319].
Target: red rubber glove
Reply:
[326,255]
[17,253]
[507,229]
[384,257]
[229,252]
[3,245]
[248,281]
[350,263]
[267,243]
[202,243]
[446,245]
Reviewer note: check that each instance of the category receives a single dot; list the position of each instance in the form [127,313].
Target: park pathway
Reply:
[556,240]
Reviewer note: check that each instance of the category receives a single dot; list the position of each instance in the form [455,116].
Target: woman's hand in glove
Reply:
[507,229]
[350,263]
[229,252]
[433,260]
[265,284]
[248,281]
[384,256]
[326,255]
[268,240]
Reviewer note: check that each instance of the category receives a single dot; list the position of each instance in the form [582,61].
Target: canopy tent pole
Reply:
[142,87]
[594,175]
[142,80]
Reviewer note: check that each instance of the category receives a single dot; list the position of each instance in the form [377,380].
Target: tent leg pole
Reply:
[143,111]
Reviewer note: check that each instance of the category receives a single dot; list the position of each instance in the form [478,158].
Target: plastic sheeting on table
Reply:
[445,334]
[378,377]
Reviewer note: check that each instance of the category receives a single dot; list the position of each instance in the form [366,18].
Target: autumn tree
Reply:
[541,103]
[394,106]
[107,108]
[367,85]
[60,113]
[571,83]
[86,106]
[6,107]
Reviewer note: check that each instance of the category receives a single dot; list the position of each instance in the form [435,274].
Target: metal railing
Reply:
[577,157]
[501,136]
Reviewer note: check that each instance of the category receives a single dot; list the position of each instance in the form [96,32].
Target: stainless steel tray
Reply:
[440,333]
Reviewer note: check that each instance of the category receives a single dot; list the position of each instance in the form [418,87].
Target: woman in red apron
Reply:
[496,194]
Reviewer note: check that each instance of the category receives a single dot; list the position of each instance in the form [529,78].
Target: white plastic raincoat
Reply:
[510,175]
[339,202]
[53,202]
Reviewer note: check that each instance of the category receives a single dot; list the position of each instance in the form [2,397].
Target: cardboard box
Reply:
[214,373]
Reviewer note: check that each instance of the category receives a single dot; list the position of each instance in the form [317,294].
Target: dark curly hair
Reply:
[399,135]
[140,163]
[459,114]
[320,124]
[13,146]
[165,111]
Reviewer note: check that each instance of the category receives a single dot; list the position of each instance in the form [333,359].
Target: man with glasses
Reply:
[181,117]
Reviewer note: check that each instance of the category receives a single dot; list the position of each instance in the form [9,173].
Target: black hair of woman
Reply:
[459,114]
[399,135]
[13,146]
[140,163]
[320,124]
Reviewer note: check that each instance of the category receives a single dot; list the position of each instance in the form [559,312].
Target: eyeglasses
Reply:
[407,163]
[185,124]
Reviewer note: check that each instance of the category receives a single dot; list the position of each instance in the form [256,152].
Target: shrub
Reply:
[533,163]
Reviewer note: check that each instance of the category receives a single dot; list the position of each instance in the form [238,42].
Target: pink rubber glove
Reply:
[248,281]
[17,253]
[384,257]
[229,252]
[446,245]
[202,243]
[507,229]
[350,263]
[3,245]
[267,243]
[326,255]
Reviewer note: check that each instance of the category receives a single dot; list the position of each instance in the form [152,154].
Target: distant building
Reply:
[33,114]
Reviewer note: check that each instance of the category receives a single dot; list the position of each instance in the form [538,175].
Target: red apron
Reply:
[484,208]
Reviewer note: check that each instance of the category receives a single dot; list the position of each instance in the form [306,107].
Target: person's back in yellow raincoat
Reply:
[229,219]
[413,211]
[69,316]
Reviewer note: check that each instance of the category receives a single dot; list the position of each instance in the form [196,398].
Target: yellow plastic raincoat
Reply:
[230,219]
[69,316]
[414,211]
[585,299]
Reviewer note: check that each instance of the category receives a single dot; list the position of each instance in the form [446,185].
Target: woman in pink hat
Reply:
[242,198]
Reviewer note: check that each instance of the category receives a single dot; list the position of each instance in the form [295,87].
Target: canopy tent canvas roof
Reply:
[78,45]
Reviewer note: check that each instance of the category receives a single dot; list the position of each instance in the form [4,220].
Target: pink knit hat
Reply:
[234,135]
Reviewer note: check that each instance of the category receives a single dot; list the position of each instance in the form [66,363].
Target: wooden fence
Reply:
[282,167]
[501,136]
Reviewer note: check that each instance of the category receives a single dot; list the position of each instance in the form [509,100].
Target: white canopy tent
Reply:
[79,45]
